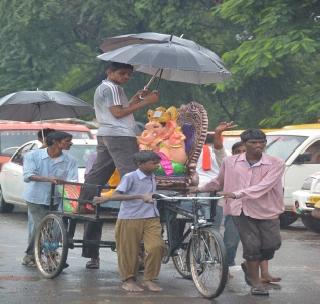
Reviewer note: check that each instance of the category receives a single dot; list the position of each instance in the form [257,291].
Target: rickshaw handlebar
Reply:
[159,196]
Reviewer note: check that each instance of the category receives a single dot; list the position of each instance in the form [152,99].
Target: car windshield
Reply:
[229,141]
[15,138]
[282,146]
[81,153]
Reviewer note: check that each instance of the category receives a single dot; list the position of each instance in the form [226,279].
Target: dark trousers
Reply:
[36,213]
[260,238]
[112,152]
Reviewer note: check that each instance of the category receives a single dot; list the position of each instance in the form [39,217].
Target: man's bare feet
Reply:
[267,278]
[131,286]
[152,286]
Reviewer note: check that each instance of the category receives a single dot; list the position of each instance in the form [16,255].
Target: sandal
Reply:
[93,264]
[259,291]
[245,271]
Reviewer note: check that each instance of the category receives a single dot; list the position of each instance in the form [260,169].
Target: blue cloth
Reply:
[231,236]
[217,221]
[30,225]
[133,183]
[38,162]
[231,239]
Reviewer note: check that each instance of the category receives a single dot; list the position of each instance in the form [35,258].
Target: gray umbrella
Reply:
[116,42]
[39,105]
[172,61]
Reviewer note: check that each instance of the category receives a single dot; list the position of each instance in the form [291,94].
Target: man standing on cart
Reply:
[116,139]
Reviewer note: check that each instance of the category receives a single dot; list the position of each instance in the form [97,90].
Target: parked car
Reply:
[300,150]
[14,133]
[11,179]
[233,136]
[306,199]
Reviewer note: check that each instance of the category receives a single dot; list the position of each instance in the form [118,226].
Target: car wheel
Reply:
[310,222]
[4,207]
[287,218]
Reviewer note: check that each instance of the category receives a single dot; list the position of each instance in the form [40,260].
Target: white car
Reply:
[300,150]
[306,199]
[11,179]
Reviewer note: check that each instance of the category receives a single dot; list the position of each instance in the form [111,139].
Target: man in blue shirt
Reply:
[41,168]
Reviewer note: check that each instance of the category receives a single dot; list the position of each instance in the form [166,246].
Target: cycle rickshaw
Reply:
[197,251]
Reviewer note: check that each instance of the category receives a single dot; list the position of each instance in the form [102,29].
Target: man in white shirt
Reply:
[208,166]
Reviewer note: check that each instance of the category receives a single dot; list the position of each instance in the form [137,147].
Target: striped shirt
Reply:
[109,94]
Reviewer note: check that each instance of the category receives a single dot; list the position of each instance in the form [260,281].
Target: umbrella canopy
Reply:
[176,62]
[116,42]
[39,105]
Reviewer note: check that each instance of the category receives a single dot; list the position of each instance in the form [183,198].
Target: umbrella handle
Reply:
[150,82]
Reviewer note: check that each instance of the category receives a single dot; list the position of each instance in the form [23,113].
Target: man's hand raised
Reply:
[223,126]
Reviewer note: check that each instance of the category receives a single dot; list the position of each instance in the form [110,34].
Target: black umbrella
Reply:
[40,105]
[170,61]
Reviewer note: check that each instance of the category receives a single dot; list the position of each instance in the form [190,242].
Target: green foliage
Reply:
[276,62]
[271,47]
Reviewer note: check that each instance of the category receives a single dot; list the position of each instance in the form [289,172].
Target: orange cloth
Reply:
[206,158]
[114,180]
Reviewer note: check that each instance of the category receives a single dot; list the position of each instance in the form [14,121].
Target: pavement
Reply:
[297,262]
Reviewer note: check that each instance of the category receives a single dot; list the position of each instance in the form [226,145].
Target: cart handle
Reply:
[158,196]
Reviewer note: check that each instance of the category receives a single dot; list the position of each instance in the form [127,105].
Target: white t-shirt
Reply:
[217,157]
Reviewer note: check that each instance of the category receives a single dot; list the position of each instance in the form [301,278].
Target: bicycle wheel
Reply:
[208,262]
[181,261]
[51,246]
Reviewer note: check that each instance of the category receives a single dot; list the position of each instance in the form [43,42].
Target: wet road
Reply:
[297,262]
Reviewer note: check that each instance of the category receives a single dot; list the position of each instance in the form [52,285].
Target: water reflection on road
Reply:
[297,262]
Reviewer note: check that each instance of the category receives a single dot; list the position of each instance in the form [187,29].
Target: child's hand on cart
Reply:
[147,198]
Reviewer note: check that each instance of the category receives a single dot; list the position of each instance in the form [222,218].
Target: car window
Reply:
[18,158]
[16,138]
[229,141]
[314,151]
[80,134]
[81,153]
[282,146]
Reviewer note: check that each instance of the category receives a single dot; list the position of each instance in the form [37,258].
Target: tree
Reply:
[276,63]
[271,47]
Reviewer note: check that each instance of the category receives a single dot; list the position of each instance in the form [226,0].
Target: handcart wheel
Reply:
[181,260]
[51,246]
[208,262]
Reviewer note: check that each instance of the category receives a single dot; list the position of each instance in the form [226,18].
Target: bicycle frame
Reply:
[171,210]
